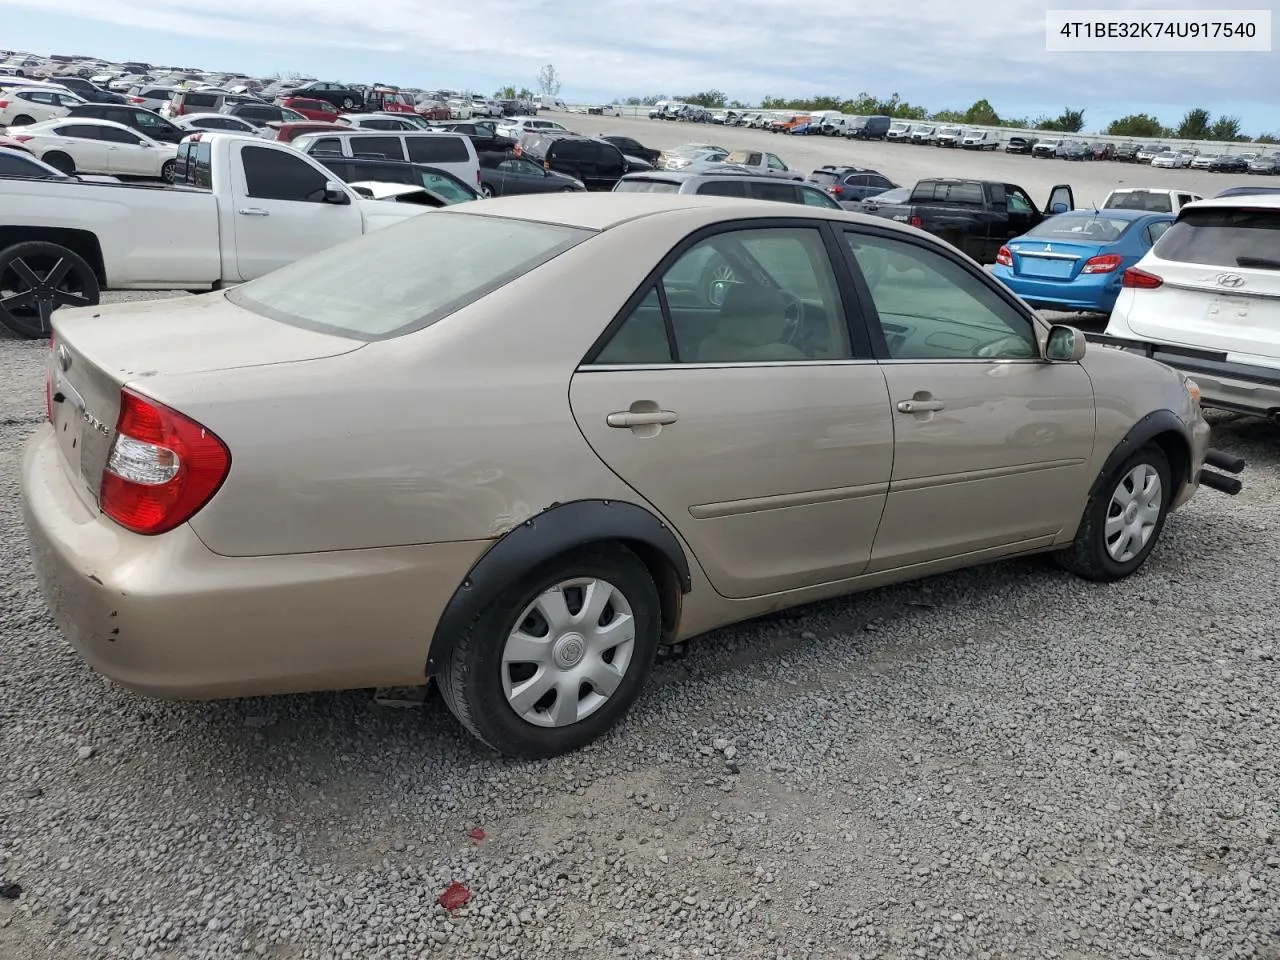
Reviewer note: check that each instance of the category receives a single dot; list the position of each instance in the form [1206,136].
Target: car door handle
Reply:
[253,212]
[921,406]
[642,419]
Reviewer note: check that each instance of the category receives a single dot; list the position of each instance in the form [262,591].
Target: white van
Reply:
[552,103]
[453,152]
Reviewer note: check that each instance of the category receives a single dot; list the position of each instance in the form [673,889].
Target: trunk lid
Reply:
[98,350]
[1051,260]
[1221,289]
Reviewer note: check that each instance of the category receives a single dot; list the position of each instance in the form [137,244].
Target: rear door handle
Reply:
[644,419]
[253,212]
[921,406]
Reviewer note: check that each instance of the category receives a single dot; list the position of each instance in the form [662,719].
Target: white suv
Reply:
[1210,287]
[22,106]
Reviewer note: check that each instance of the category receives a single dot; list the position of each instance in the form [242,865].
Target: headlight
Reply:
[1193,388]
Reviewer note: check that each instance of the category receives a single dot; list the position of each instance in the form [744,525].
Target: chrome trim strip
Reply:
[733,508]
[946,479]
[1236,292]
[1041,255]
[608,367]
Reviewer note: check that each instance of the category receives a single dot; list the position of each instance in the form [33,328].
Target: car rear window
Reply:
[1151,202]
[824,176]
[1233,237]
[404,277]
[1097,228]
[199,100]
[646,186]
[438,149]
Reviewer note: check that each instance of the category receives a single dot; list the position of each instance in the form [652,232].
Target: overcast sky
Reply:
[936,53]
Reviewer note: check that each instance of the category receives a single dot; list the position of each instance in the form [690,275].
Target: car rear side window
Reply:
[782,192]
[191,100]
[437,149]
[1234,237]
[330,146]
[386,148]
[407,276]
[275,175]
[12,166]
[723,188]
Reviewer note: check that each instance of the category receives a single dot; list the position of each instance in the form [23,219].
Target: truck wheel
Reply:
[60,161]
[560,657]
[37,278]
[1123,519]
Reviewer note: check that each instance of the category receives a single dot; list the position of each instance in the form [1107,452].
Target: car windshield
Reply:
[646,186]
[1095,228]
[824,176]
[897,195]
[1140,200]
[404,277]
[1231,237]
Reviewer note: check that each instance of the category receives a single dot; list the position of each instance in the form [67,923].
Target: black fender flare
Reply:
[558,529]
[1150,426]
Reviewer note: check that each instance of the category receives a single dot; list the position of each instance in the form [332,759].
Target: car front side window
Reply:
[932,308]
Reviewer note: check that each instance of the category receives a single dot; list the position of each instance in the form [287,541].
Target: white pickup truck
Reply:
[240,207]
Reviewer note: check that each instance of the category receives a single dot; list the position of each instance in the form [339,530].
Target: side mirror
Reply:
[333,193]
[1058,208]
[1065,344]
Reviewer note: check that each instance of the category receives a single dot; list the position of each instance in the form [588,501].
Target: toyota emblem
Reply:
[1231,280]
[64,358]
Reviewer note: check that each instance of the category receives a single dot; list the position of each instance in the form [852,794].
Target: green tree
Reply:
[948,116]
[982,114]
[707,98]
[1267,138]
[1225,128]
[1194,126]
[1069,121]
[505,93]
[1136,125]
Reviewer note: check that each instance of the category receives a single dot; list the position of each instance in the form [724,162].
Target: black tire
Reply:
[22,120]
[348,103]
[471,679]
[486,191]
[1088,556]
[166,171]
[60,161]
[26,307]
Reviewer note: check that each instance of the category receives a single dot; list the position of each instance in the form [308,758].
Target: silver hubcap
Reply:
[568,653]
[1133,513]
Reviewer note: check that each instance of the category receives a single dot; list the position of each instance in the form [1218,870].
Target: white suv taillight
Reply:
[162,469]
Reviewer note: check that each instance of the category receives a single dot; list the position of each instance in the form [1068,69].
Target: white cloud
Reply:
[935,52]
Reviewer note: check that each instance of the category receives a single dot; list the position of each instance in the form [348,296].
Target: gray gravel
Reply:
[1002,763]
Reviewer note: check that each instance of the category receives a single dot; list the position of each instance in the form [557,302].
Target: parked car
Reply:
[21,163]
[436,181]
[1149,152]
[976,216]
[311,108]
[388,100]
[1210,289]
[872,128]
[340,95]
[948,136]
[505,176]
[633,148]
[756,161]
[1076,260]
[1246,191]
[449,151]
[78,145]
[739,183]
[1127,152]
[1265,165]
[598,164]
[379,121]
[899,133]
[21,107]
[149,124]
[215,121]
[924,134]
[686,155]
[90,92]
[151,96]
[539,605]
[1022,145]
[1047,149]
[8,143]
[1103,151]
[878,201]
[258,206]
[483,133]
[431,109]
[1226,164]
[851,183]
[204,101]
[1073,150]
[1172,160]
[260,114]
[1150,199]
[515,127]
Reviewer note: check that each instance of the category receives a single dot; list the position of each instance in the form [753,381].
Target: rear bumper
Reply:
[1092,292]
[167,617]
[1224,384]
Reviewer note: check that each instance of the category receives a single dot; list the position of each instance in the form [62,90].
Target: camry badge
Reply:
[1231,280]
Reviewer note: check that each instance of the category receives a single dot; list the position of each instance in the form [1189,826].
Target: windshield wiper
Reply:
[1261,263]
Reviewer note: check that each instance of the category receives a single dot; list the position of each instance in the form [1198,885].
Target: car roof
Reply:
[80,122]
[1112,213]
[1266,201]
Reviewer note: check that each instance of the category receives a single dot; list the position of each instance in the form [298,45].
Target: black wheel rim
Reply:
[31,288]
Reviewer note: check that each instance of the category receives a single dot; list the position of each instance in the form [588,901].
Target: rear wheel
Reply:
[166,171]
[37,278]
[559,657]
[60,161]
[22,120]
[348,103]
[1123,519]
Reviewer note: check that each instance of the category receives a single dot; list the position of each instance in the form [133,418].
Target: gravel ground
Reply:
[1001,763]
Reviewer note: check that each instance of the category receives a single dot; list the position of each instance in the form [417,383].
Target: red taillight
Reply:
[1106,263]
[1141,280]
[1005,257]
[3,104]
[48,382]
[162,468]
[21,137]
[837,189]
[915,221]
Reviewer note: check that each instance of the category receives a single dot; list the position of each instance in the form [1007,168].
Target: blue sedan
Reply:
[1076,260]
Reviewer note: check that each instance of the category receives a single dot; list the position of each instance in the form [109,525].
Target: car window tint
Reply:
[114,135]
[438,149]
[327,145]
[775,163]
[720,188]
[1156,231]
[642,338]
[932,308]
[385,147]
[782,192]
[275,175]
[1014,203]
[14,166]
[1224,237]
[761,295]
[84,131]
[816,198]
[446,186]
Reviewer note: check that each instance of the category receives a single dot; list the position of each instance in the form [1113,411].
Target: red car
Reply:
[433,110]
[386,100]
[285,132]
[311,109]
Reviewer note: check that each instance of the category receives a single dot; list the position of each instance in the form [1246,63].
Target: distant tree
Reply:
[1069,121]
[1136,125]
[524,93]
[1194,125]
[1017,123]
[1225,128]
[982,114]
[707,98]
[948,116]
[505,93]
[738,104]
[548,81]
[1267,138]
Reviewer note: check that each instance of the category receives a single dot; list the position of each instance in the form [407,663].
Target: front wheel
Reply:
[37,278]
[348,103]
[560,657]
[486,191]
[166,171]
[1123,518]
